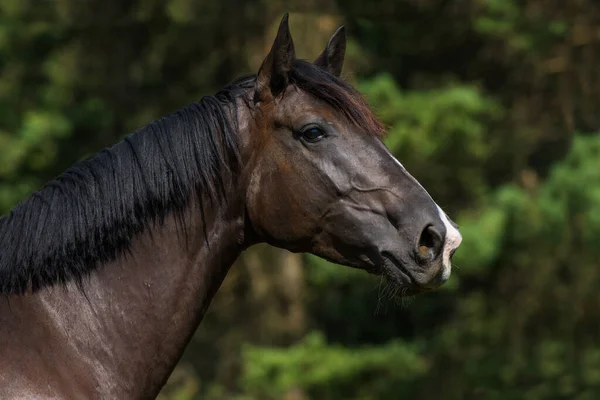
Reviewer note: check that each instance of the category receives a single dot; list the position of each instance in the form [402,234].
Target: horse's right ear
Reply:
[272,76]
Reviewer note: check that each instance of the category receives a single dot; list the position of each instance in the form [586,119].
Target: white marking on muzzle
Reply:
[452,241]
[453,236]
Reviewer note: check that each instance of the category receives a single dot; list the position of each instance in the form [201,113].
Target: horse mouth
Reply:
[399,275]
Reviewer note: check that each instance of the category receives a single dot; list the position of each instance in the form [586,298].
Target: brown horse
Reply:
[108,270]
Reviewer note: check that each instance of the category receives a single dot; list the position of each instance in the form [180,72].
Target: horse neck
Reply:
[125,331]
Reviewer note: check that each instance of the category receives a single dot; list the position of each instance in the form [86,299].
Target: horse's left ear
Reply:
[332,58]
[272,76]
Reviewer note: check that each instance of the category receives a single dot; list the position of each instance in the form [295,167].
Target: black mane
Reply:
[89,215]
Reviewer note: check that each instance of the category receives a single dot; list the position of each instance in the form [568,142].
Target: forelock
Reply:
[338,94]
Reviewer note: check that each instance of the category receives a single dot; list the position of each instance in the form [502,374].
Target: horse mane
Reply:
[89,215]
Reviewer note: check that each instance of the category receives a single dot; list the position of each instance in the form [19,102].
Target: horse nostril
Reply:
[430,242]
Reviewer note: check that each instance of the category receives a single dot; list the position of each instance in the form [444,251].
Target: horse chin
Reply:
[398,275]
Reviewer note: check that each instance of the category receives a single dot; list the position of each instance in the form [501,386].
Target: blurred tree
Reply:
[526,327]
[331,371]
[482,99]
[536,57]
[429,130]
[76,79]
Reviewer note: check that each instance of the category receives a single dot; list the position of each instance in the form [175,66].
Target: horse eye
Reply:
[313,135]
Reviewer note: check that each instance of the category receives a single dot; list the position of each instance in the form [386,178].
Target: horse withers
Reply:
[107,270]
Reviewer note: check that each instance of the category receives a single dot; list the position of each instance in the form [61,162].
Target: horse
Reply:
[108,269]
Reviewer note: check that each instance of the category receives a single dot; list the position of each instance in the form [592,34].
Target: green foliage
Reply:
[34,148]
[429,130]
[527,320]
[505,20]
[482,101]
[331,371]
[75,79]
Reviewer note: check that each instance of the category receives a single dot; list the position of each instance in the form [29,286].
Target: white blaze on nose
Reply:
[453,240]
[453,236]
[397,162]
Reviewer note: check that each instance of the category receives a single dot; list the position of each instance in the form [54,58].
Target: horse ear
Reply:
[272,76]
[332,58]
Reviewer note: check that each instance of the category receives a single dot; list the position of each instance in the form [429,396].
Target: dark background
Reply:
[492,104]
